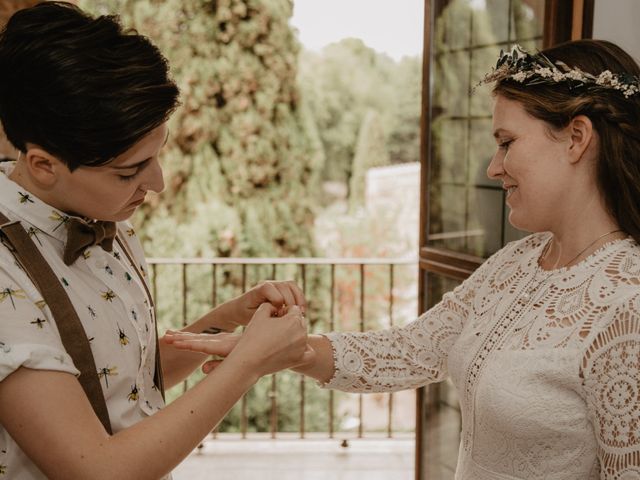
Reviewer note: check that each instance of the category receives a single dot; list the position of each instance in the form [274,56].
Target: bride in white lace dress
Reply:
[543,340]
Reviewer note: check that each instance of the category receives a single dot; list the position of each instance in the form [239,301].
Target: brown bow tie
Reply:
[81,235]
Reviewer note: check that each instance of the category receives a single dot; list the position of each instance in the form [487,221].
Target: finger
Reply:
[172,337]
[211,365]
[296,312]
[221,347]
[298,295]
[266,310]
[272,294]
[286,292]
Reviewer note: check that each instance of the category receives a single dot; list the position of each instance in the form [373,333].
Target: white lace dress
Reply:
[547,364]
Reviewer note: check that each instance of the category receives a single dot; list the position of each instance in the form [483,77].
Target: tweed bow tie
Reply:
[81,235]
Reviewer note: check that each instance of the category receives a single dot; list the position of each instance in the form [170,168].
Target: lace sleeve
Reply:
[406,357]
[611,372]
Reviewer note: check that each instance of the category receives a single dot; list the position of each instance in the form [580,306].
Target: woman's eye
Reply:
[505,145]
[127,178]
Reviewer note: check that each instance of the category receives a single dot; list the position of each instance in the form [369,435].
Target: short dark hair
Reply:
[615,118]
[82,88]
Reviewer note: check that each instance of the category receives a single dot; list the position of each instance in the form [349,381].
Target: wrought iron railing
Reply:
[400,287]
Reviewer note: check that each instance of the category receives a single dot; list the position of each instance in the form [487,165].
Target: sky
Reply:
[390,26]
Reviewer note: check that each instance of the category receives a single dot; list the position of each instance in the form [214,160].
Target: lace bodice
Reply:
[547,364]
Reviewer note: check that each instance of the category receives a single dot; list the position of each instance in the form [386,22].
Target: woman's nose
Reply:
[154,180]
[495,170]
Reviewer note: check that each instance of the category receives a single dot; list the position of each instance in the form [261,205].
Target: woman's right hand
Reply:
[268,344]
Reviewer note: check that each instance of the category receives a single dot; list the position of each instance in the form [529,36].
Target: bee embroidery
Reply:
[107,269]
[86,254]
[109,295]
[25,197]
[38,322]
[64,282]
[61,219]
[124,340]
[116,255]
[92,312]
[127,276]
[133,396]
[41,304]
[3,469]
[131,232]
[107,372]
[134,315]
[33,232]
[11,294]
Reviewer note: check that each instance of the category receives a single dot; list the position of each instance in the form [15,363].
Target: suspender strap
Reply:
[158,379]
[71,331]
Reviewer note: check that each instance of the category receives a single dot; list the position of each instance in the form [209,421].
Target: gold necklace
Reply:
[548,245]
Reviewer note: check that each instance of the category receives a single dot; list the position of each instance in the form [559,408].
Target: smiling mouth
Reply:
[137,202]
[510,190]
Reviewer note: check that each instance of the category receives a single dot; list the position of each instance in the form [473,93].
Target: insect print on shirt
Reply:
[133,395]
[3,469]
[134,315]
[131,232]
[25,198]
[10,293]
[86,254]
[92,312]
[33,233]
[107,269]
[39,322]
[107,372]
[116,255]
[61,219]
[124,340]
[109,295]
[4,347]
[64,281]
[41,304]
[127,276]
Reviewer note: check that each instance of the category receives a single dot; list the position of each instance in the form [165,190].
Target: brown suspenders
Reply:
[72,334]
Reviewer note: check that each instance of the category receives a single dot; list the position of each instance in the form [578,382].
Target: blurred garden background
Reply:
[268,157]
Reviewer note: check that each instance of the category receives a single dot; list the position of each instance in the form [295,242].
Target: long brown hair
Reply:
[615,118]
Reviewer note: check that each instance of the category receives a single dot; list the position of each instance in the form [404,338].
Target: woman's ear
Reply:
[581,136]
[43,167]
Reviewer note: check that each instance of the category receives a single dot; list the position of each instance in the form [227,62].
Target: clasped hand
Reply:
[275,336]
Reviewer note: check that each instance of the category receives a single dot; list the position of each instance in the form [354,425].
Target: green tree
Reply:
[341,84]
[243,160]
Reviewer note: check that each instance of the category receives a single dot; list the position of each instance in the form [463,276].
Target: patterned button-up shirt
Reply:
[110,300]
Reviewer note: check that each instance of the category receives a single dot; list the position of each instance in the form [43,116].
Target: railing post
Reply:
[273,421]
[331,329]
[390,416]
[360,412]
[185,384]
[243,406]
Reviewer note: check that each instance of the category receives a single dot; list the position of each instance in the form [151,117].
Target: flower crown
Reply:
[520,66]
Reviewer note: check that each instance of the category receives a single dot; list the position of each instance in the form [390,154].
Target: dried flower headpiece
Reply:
[523,67]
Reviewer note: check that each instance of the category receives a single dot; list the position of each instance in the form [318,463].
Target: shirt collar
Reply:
[29,208]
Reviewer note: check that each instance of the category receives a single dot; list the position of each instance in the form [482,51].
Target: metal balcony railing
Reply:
[393,281]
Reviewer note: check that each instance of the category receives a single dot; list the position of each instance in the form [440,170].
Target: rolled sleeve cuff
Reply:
[36,357]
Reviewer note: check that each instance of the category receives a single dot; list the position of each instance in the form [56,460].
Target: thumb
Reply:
[210,366]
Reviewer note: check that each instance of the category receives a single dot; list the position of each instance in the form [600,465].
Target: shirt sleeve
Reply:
[611,380]
[28,336]
[405,357]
